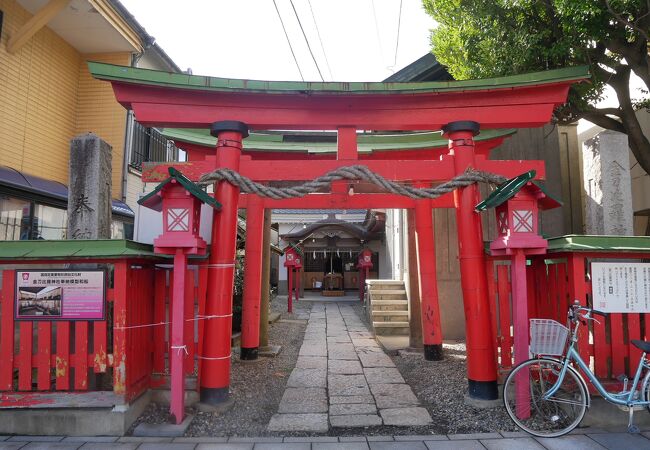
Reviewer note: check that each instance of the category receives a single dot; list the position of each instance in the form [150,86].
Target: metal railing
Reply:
[149,145]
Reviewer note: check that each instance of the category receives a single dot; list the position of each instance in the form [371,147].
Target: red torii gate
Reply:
[231,107]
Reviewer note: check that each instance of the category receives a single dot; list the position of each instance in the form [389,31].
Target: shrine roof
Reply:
[588,243]
[74,249]
[154,201]
[125,74]
[505,191]
[325,142]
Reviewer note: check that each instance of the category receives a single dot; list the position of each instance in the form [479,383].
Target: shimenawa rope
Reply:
[355,173]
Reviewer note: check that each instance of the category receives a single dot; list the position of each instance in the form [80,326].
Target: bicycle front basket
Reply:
[547,337]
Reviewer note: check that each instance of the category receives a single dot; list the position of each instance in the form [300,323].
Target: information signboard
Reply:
[60,294]
[620,287]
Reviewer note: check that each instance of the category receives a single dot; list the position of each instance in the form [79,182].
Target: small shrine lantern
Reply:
[364,264]
[365,259]
[180,202]
[517,203]
[291,257]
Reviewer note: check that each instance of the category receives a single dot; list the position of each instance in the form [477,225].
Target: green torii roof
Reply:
[124,74]
[509,189]
[580,243]
[74,249]
[153,199]
[367,142]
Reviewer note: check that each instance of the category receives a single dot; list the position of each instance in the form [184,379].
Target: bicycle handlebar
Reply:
[577,311]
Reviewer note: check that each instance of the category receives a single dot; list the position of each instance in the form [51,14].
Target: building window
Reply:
[149,145]
[121,229]
[49,223]
[14,219]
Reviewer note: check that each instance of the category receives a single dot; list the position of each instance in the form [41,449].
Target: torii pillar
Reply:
[215,361]
[481,363]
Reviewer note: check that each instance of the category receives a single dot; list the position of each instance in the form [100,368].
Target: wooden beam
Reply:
[33,25]
[341,201]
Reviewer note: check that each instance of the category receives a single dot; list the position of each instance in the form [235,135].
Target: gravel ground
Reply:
[257,388]
[441,387]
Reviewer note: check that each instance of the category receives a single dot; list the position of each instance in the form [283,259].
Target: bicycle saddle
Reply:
[643,345]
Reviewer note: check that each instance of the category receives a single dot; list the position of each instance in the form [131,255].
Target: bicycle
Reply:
[548,397]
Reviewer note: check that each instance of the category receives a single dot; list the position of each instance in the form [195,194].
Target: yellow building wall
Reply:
[47,97]
[38,99]
[99,112]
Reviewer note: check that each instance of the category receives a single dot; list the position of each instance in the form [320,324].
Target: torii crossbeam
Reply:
[230,108]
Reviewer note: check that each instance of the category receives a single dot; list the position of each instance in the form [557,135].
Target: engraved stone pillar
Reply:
[608,189]
[89,188]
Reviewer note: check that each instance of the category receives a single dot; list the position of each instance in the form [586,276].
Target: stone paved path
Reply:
[344,379]
[583,438]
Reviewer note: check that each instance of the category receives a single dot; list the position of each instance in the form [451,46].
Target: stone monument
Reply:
[89,188]
[607,183]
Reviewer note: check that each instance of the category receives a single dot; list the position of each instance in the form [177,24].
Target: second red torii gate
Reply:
[232,107]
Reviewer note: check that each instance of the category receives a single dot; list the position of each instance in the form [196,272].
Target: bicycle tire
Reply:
[545,418]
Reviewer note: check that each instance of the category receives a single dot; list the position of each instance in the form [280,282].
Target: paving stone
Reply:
[311,439]
[344,367]
[405,416]
[342,446]
[167,445]
[379,438]
[90,439]
[219,446]
[342,351]
[364,342]
[11,445]
[352,439]
[422,437]
[200,439]
[513,434]
[471,444]
[397,446]
[256,439]
[143,439]
[49,445]
[303,400]
[355,420]
[393,395]
[462,436]
[347,385]
[313,350]
[23,438]
[526,443]
[298,422]
[109,446]
[346,399]
[284,446]
[345,339]
[311,362]
[378,375]
[375,359]
[308,378]
[621,441]
[352,408]
[574,442]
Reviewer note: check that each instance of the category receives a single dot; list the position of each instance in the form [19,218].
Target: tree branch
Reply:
[625,22]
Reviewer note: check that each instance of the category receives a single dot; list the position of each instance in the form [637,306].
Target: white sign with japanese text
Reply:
[621,287]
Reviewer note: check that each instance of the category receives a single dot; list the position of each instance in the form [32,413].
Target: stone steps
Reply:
[388,307]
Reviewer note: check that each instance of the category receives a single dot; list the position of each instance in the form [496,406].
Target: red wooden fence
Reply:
[132,343]
[554,282]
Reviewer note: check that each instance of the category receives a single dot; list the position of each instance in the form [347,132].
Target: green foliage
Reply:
[485,38]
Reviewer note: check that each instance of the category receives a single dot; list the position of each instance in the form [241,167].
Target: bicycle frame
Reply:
[625,398]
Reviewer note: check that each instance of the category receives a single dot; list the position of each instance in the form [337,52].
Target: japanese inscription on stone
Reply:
[621,287]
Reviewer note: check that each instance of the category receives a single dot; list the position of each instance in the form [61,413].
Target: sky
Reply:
[245,38]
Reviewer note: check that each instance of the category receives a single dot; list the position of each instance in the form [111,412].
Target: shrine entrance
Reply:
[471,114]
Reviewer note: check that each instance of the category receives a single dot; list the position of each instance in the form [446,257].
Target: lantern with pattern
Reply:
[517,203]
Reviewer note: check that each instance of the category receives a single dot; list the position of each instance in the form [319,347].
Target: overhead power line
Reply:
[306,40]
[399,25]
[381,47]
[327,63]
[288,40]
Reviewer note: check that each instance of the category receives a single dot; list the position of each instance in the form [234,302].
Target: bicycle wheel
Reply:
[523,396]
